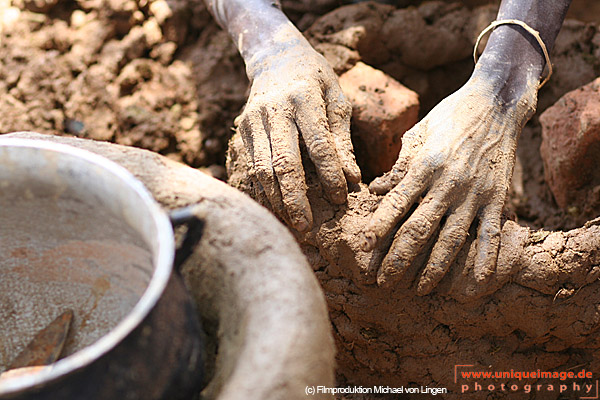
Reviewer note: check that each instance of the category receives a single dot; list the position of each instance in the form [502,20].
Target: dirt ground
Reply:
[161,75]
[151,74]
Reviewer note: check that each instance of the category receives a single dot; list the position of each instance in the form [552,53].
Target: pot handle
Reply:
[195,228]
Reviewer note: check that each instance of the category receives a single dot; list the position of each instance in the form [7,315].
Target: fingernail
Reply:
[375,187]
[387,274]
[482,276]
[423,288]
[339,196]
[368,242]
[383,280]
[355,174]
[482,273]
[302,225]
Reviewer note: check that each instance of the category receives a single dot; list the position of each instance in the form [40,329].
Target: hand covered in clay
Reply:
[295,96]
[456,164]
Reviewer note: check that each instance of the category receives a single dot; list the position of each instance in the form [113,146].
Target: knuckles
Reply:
[398,201]
[490,230]
[340,105]
[285,163]
[455,237]
[263,172]
[417,229]
[319,146]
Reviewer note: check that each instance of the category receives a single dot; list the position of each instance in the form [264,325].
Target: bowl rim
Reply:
[162,263]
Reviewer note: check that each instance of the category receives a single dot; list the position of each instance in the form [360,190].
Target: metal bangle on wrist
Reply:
[529,29]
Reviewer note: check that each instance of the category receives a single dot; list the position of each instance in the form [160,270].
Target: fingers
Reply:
[257,142]
[386,182]
[287,164]
[488,241]
[413,235]
[451,239]
[311,118]
[395,205]
[339,111]
[271,136]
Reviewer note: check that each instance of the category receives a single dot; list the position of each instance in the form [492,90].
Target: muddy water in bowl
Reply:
[78,232]
[61,253]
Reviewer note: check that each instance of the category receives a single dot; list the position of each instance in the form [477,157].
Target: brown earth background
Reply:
[161,75]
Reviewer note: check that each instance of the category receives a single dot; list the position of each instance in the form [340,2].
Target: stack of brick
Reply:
[571,145]
[382,110]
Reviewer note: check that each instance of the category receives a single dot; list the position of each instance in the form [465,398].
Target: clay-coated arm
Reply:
[513,58]
[253,25]
[294,95]
[457,163]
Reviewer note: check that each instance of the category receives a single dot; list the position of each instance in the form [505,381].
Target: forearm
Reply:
[513,57]
[258,28]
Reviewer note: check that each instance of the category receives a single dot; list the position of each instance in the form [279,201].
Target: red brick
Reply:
[571,144]
[382,110]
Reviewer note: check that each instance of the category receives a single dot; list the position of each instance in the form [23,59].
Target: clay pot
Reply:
[268,335]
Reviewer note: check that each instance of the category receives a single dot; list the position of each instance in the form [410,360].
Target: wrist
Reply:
[280,46]
[513,64]
[259,29]
[513,90]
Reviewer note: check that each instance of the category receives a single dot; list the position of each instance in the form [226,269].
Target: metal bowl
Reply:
[78,231]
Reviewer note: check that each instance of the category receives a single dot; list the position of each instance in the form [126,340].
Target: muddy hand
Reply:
[457,164]
[460,158]
[295,94]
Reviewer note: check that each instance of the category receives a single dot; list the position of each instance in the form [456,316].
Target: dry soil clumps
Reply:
[153,74]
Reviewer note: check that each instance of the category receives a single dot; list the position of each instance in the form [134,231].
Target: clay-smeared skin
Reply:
[294,94]
[460,158]
[462,155]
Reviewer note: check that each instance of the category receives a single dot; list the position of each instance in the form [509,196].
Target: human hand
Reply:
[460,158]
[295,94]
